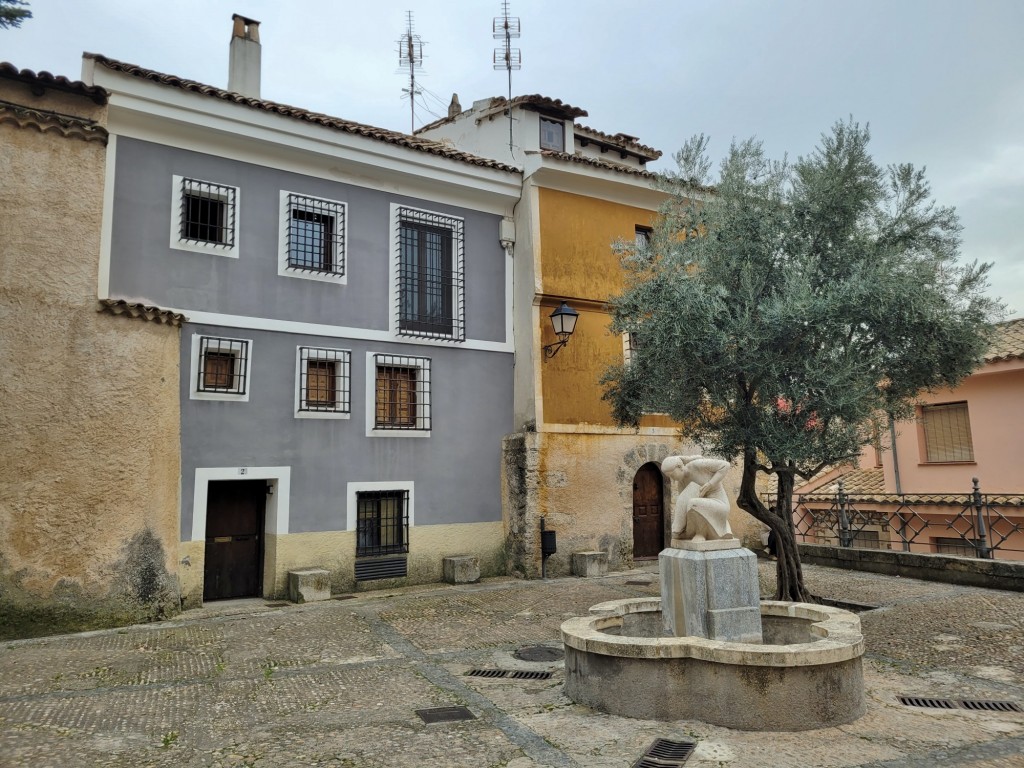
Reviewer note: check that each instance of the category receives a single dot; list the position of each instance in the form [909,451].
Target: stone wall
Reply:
[582,485]
[994,574]
[89,465]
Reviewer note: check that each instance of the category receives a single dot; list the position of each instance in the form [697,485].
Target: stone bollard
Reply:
[589,564]
[309,585]
[461,569]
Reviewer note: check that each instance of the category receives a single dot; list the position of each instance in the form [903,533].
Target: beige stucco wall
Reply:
[89,441]
[335,551]
[582,484]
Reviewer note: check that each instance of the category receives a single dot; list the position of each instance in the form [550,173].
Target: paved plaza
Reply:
[339,683]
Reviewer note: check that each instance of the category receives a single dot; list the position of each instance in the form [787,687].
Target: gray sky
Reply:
[941,82]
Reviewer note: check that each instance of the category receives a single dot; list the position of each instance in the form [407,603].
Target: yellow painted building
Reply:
[597,486]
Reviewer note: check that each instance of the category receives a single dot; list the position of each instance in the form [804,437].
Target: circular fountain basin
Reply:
[806,674]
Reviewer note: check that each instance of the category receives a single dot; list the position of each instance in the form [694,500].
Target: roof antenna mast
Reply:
[506,57]
[410,56]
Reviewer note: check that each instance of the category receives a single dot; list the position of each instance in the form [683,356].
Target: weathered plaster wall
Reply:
[335,552]
[582,484]
[89,426]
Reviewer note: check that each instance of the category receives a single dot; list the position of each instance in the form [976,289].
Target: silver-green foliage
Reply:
[783,306]
[789,304]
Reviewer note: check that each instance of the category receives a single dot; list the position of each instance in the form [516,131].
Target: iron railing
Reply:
[972,524]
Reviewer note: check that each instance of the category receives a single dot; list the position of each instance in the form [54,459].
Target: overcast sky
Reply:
[941,82]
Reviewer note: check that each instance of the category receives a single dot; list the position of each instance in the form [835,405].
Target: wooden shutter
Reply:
[396,397]
[947,433]
[219,370]
[320,383]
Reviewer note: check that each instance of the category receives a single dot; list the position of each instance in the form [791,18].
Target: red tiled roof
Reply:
[597,163]
[141,311]
[1008,342]
[347,126]
[44,121]
[619,140]
[44,80]
[545,104]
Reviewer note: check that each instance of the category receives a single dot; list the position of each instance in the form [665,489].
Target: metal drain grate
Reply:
[985,705]
[664,753]
[277,604]
[526,674]
[639,583]
[517,674]
[487,673]
[919,701]
[445,714]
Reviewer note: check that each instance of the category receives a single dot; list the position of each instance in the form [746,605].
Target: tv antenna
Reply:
[410,56]
[506,57]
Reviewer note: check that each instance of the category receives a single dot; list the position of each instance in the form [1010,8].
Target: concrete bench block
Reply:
[461,569]
[309,585]
[589,564]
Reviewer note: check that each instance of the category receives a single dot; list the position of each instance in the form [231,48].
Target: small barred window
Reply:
[207,215]
[402,400]
[315,239]
[431,280]
[223,365]
[324,380]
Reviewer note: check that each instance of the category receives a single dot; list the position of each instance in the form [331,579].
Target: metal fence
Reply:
[972,524]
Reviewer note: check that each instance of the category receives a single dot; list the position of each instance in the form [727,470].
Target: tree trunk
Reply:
[789,575]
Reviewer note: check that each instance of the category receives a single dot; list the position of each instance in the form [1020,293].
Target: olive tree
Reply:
[783,309]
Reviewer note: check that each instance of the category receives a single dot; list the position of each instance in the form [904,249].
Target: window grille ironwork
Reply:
[324,380]
[431,279]
[382,522]
[316,235]
[402,398]
[207,213]
[223,365]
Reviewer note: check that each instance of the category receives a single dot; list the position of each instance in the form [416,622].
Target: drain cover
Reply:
[990,706]
[920,701]
[666,754]
[539,653]
[277,604]
[639,583]
[445,714]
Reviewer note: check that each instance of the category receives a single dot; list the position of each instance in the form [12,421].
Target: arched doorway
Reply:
[648,498]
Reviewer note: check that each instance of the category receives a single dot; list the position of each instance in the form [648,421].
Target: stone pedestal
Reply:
[710,589]
[461,569]
[309,585]
[589,564]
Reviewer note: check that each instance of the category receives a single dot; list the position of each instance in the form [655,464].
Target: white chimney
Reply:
[244,59]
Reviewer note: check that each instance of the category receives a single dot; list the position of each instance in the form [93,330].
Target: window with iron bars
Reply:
[207,214]
[431,286]
[324,381]
[223,366]
[382,522]
[402,399]
[314,241]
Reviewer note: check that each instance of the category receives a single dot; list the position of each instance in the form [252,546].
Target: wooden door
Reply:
[647,512]
[234,538]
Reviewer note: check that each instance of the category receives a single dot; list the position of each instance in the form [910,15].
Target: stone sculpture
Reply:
[702,510]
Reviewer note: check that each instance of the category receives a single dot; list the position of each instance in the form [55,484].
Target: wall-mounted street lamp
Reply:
[563,320]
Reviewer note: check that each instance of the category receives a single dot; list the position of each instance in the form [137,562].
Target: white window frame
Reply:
[179,243]
[197,394]
[345,395]
[458,333]
[339,210]
[371,398]
[352,506]
[553,121]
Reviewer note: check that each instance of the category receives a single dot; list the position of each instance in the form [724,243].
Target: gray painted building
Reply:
[346,368]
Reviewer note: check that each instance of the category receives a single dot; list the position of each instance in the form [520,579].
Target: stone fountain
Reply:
[708,649]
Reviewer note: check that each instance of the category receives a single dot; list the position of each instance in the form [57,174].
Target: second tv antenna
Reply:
[410,56]
[506,57]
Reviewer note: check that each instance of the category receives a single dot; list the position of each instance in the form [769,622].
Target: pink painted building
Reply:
[916,493]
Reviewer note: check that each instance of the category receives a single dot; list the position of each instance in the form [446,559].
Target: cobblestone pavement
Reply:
[338,683]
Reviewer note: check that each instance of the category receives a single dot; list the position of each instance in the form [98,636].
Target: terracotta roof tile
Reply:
[119,307]
[597,163]
[1008,342]
[618,140]
[347,126]
[46,121]
[44,80]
